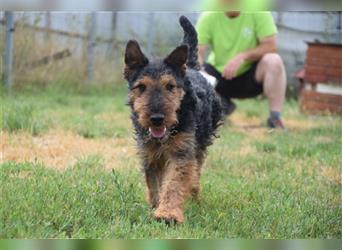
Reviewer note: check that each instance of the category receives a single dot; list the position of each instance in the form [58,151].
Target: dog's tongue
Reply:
[157,132]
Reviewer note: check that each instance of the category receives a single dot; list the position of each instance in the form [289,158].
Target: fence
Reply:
[85,48]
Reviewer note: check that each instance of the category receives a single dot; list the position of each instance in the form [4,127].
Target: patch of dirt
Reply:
[333,175]
[62,149]
[252,126]
[323,139]
[300,125]
[245,149]
[21,175]
[255,127]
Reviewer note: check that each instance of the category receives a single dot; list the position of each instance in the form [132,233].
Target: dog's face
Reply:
[156,89]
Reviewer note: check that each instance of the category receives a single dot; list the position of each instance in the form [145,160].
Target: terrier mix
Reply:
[175,113]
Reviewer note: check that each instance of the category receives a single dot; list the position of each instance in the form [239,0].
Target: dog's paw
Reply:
[169,216]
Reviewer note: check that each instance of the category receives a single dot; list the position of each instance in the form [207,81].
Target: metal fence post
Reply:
[150,41]
[47,25]
[91,47]
[339,27]
[114,23]
[8,55]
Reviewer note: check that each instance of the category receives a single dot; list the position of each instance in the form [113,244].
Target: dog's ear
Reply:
[178,57]
[134,58]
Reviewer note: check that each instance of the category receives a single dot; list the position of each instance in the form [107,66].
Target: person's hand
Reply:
[232,67]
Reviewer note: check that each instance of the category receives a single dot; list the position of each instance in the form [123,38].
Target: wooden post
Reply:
[8,54]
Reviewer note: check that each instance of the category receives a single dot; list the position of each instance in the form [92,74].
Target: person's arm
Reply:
[266,45]
[202,49]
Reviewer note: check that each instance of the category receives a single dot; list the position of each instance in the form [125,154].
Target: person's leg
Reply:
[271,73]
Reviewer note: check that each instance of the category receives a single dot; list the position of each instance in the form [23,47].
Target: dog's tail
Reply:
[190,39]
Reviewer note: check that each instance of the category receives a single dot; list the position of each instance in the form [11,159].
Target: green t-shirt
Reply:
[227,37]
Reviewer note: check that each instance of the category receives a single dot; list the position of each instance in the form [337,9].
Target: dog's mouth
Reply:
[157,133]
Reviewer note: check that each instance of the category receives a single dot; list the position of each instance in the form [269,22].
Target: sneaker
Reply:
[228,106]
[275,124]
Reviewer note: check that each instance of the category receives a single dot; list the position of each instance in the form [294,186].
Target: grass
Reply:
[21,116]
[69,170]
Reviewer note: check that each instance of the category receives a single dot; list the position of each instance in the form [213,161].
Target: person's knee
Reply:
[273,63]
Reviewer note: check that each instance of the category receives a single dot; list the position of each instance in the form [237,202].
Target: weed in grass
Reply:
[88,127]
[252,113]
[21,117]
[266,147]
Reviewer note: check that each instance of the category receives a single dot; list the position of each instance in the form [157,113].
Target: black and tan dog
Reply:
[175,113]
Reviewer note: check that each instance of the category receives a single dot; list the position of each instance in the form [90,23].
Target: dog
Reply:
[175,114]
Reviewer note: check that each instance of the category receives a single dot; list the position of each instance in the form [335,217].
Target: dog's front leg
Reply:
[153,181]
[176,187]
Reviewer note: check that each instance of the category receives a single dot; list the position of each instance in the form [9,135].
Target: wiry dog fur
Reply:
[175,113]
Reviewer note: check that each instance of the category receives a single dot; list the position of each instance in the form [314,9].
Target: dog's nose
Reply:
[157,119]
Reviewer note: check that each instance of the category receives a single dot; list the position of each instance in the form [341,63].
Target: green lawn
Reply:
[69,169]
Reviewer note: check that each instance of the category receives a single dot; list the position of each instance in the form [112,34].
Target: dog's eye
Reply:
[170,87]
[140,87]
